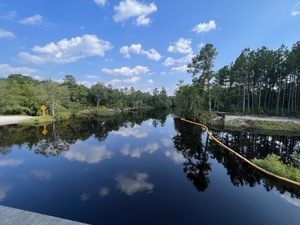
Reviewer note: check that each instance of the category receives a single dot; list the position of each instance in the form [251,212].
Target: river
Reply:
[143,169]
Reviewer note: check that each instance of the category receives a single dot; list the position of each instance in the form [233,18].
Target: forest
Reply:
[21,94]
[261,81]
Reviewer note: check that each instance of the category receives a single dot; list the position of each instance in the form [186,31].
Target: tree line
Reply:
[260,81]
[21,94]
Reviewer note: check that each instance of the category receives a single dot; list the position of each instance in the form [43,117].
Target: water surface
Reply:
[143,169]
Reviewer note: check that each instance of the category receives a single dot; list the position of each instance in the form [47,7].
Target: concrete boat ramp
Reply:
[12,216]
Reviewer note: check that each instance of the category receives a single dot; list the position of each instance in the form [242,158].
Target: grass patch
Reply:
[38,119]
[273,164]
[276,125]
[263,125]
[104,112]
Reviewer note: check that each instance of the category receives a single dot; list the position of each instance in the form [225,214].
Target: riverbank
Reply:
[246,122]
[7,120]
[21,119]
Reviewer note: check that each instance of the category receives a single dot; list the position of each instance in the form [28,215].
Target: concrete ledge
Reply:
[12,216]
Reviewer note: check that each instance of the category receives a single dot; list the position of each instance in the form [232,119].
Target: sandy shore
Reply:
[6,120]
[276,124]
[258,118]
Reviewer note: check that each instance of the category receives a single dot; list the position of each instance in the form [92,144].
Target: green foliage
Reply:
[24,95]
[273,164]
[38,120]
[202,65]
[63,116]
[103,112]
[189,101]
[53,95]
[261,81]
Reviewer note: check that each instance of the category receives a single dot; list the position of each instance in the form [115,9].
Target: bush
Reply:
[273,164]
[63,116]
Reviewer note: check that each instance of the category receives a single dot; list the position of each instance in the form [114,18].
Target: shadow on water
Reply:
[191,141]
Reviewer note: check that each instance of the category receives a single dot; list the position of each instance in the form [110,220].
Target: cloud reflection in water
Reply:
[175,156]
[137,152]
[103,191]
[135,132]
[131,186]
[10,162]
[4,189]
[90,154]
[41,174]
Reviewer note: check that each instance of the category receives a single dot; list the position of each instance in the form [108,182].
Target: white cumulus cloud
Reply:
[126,71]
[6,34]
[205,27]
[33,20]
[137,49]
[134,9]
[149,82]
[134,48]
[10,16]
[179,69]
[296,9]
[6,70]
[181,46]
[66,51]
[100,2]
[184,60]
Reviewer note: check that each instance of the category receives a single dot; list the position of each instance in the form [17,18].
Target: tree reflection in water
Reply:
[189,140]
[61,134]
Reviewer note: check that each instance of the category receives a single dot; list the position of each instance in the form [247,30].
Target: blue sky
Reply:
[136,43]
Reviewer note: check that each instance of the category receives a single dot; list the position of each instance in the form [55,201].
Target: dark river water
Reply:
[144,169]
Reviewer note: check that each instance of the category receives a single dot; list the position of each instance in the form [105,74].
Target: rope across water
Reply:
[241,157]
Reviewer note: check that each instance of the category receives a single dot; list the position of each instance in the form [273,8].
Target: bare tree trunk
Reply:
[53,108]
[244,99]
[259,96]
[289,101]
[283,96]
[248,100]
[278,97]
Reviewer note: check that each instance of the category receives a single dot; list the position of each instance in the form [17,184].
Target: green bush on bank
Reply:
[103,111]
[37,120]
[63,116]
[273,164]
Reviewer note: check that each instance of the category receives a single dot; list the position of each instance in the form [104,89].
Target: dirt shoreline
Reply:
[258,118]
[262,123]
[7,120]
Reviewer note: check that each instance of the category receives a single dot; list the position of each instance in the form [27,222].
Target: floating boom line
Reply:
[241,157]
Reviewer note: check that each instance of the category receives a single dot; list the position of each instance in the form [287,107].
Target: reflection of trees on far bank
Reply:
[190,141]
[64,133]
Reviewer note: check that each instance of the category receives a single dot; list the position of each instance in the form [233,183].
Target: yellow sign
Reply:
[43,107]
[44,132]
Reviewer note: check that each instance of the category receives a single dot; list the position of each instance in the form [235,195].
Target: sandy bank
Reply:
[262,123]
[6,120]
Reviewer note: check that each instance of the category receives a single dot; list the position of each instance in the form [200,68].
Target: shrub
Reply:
[273,164]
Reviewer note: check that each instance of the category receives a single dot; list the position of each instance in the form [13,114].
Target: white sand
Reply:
[5,120]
